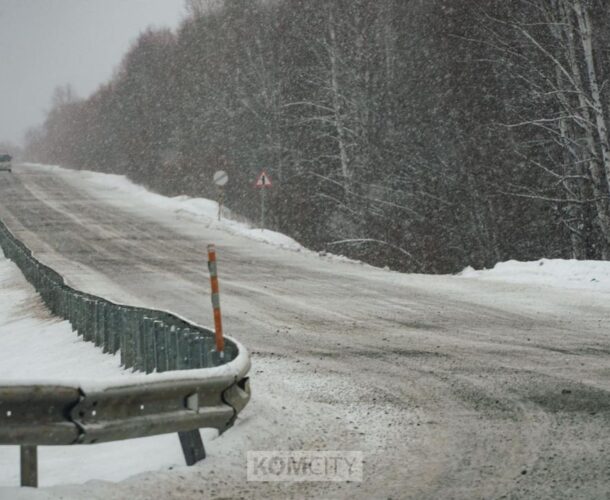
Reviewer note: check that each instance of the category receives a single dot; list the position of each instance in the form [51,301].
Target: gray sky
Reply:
[46,43]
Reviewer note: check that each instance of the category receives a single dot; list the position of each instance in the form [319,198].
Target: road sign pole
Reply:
[263,182]
[263,208]
[220,179]
[221,200]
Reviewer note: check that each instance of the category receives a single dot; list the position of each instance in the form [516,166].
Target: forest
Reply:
[422,135]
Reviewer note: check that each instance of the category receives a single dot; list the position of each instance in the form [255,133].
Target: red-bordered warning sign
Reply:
[263,181]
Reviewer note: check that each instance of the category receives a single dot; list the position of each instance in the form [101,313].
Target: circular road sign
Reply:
[221,178]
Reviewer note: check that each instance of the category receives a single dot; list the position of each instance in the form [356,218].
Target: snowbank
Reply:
[38,346]
[574,274]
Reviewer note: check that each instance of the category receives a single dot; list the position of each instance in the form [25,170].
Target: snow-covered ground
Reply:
[35,345]
[575,274]
[330,338]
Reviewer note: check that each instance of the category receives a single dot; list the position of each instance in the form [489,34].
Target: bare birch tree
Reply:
[557,66]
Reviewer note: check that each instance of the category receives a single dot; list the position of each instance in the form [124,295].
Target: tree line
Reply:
[425,135]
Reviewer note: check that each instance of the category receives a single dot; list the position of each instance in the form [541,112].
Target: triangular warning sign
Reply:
[263,181]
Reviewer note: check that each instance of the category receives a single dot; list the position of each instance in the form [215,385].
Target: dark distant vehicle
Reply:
[5,163]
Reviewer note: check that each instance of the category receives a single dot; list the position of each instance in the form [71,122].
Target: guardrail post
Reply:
[150,360]
[172,348]
[87,319]
[114,338]
[121,331]
[61,298]
[183,349]
[206,352]
[192,446]
[74,311]
[132,328]
[29,466]
[139,343]
[160,346]
[195,348]
[109,330]
[100,325]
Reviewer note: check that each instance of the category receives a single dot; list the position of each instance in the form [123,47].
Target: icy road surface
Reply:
[453,387]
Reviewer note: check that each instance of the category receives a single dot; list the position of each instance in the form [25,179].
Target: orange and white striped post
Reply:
[220,341]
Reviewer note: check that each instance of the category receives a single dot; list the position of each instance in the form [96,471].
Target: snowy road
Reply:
[452,387]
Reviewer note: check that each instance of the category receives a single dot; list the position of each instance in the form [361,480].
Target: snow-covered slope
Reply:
[587,275]
[38,346]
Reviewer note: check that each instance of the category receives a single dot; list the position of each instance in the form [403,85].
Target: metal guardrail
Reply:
[200,388]
[147,340]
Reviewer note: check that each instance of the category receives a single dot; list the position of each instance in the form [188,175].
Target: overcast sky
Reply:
[46,43]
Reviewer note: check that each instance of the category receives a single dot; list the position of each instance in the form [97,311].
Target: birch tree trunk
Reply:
[337,107]
[596,172]
[586,36]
